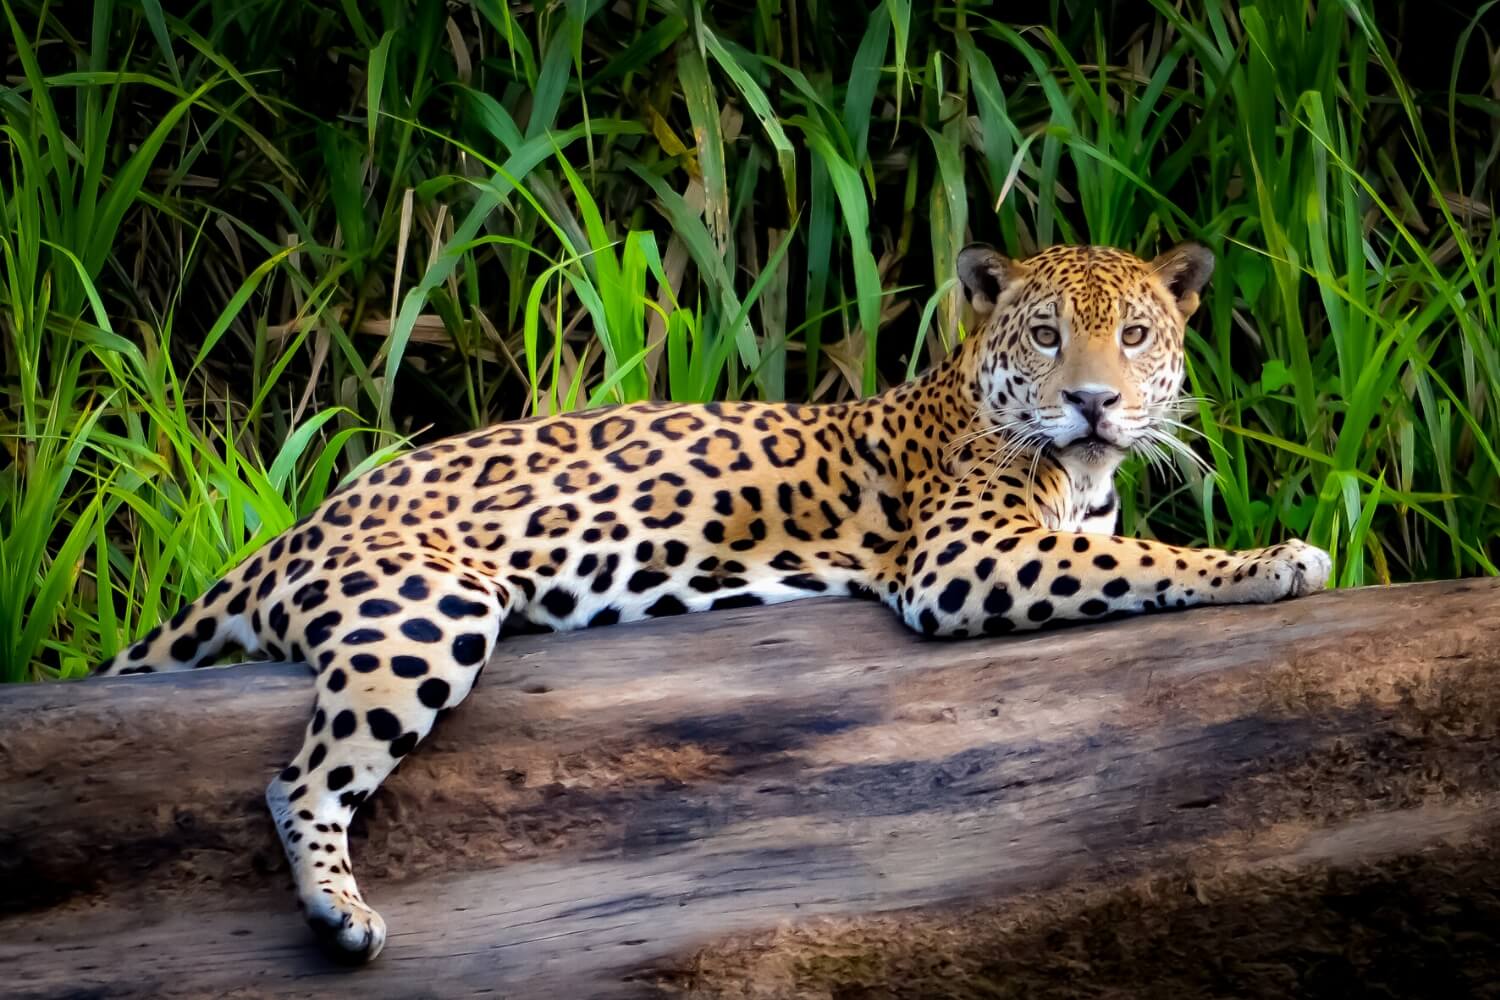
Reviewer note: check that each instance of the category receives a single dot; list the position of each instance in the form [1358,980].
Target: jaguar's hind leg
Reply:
[387,663]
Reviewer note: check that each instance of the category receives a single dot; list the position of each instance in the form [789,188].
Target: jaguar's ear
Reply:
[985,273]
[1183,271]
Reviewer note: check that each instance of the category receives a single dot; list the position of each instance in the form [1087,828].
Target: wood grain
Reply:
[608,804]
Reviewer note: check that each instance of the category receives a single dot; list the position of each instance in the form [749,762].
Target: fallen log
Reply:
[630,811]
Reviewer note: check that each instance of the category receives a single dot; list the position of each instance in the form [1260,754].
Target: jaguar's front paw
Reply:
[1296,569]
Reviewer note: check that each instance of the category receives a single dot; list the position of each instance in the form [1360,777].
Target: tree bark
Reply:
[610,809]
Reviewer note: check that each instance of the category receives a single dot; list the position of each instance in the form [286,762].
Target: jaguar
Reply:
[975,500]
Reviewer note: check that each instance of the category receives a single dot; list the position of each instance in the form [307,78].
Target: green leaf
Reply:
[864,80]
[756,98]
[703,109]
[375,83]
[1274,376]
[851,195]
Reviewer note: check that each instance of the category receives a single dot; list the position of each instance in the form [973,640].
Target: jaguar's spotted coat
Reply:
[975,500]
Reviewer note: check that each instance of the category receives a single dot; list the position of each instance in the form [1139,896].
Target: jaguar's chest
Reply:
[1087,503]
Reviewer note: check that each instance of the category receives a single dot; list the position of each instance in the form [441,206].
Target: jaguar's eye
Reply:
[1134,336]
[1046,337]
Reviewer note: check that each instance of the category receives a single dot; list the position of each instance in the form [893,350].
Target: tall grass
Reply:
[251,249]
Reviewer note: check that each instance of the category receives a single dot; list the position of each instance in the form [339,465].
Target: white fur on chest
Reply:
[1090,504]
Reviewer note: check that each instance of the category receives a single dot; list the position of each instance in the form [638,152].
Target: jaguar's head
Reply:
[1079,348]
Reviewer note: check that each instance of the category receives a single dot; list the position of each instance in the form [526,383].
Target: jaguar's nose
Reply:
[1091,403]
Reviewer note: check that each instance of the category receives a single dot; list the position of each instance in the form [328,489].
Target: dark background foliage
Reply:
[247,249]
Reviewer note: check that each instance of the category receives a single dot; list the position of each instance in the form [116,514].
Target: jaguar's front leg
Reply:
[1026,577]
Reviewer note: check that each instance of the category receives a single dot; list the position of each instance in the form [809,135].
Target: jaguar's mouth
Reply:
[1091,447]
